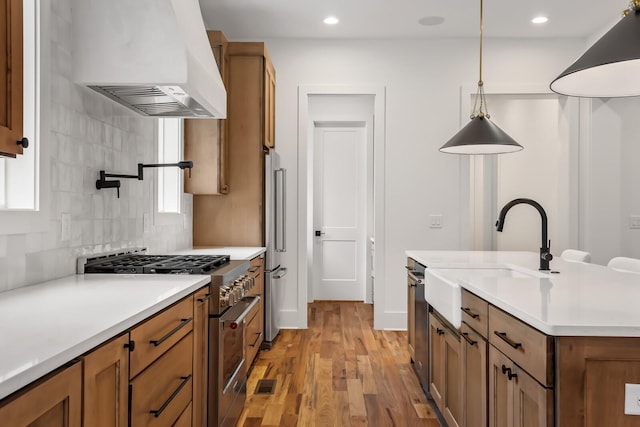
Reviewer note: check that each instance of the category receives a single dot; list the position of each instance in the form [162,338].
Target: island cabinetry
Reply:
[475,313]
[591,377]
[106,384]
[473,355]
[200,357]
[515,398]
[54,401]
[444,369]
[206,140]
[411,309]
[526,346]
[521,376]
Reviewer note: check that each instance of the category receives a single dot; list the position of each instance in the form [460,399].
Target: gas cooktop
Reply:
[154,264]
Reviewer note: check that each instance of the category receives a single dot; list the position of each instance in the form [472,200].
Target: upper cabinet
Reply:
[206,140]
[251,63]
[269,104]
[11,142]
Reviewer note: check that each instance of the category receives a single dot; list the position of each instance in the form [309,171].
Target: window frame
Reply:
[164,217]
[22,221]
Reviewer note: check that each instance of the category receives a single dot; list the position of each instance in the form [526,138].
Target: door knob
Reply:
[319,233]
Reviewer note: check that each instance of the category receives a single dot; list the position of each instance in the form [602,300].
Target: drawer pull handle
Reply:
[254,269]
[503,336]
[204,298]
[509,373]
[257,338]
[131,345]
[183,323]
[469,312]
[465,335]
[439,331]
[156,412]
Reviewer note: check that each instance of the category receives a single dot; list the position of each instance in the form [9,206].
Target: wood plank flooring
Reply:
[338,372]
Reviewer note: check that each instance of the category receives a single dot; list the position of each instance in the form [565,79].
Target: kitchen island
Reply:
[540,348]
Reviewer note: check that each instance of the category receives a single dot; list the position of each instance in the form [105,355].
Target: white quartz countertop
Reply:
[580,300]
[44,326]
[240,253]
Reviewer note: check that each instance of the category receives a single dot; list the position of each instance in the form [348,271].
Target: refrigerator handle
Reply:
[283,272]
[281,204]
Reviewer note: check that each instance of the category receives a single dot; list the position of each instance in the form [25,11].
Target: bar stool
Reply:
[575,255]
[629,265]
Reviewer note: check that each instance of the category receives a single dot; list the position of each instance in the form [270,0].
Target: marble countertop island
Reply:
[574,299]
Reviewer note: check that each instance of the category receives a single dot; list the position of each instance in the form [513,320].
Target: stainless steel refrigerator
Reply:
[275,242]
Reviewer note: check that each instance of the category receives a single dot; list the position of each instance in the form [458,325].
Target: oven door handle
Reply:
[240,317]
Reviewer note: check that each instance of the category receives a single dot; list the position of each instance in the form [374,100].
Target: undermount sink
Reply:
[442,286]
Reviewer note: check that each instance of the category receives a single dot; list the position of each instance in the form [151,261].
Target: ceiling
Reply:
[398,19]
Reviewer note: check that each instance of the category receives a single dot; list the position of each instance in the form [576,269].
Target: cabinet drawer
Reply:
[185,418]
[158,334]
[253,333]
[529,348]
[475,312]
[161,393]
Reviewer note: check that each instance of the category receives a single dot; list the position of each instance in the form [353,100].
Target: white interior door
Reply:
[340,189]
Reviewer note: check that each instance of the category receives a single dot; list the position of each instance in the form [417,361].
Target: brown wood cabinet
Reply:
[161,393]
[515,398]
[205,140]
[200,356]
[473,357]
[106,384]
[411,311]
[55,401]
[444,370]
[11,77]
[237,219]
[156,335]
[161,370]
[269,105]
[255,323]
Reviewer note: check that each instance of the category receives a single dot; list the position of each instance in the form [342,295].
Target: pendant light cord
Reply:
[480,91]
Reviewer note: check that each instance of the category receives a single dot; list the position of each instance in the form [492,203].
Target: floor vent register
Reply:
[265,386]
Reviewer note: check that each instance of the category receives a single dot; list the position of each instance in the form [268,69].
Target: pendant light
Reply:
[610,67]
[481,135]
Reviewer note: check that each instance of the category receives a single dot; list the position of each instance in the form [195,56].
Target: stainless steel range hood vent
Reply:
[155,101]
[152,56]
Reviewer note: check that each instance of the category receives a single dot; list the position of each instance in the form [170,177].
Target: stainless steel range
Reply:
[228,308]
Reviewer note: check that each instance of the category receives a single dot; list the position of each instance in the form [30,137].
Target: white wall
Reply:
[612,166]
[422,80]
[88,132]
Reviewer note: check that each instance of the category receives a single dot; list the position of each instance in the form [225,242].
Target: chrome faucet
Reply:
[545,255]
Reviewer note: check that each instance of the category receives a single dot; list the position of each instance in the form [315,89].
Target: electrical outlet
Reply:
[632,399]
[65,227]
[634,222]
[435,221]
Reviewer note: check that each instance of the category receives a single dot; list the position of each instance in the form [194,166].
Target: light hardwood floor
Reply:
[338,372]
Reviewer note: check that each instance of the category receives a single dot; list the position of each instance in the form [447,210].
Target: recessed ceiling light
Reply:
[539,19]
[331,20]
[430,21]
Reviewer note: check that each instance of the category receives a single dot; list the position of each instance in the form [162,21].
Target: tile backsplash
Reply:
[89,132]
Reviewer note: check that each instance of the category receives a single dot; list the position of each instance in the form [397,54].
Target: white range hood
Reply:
[153,56]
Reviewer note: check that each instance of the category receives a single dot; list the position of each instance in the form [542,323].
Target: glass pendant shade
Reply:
[481,136]
[610,67]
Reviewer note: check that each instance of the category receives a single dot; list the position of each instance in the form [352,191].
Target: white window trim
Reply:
[20,221]
[168,218]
